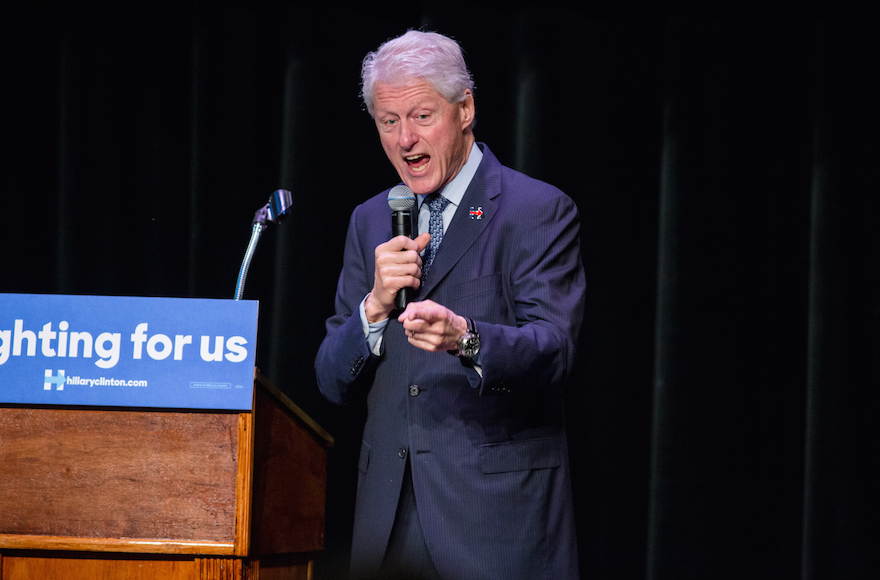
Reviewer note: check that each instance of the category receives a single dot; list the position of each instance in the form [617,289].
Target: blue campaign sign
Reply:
[182,353]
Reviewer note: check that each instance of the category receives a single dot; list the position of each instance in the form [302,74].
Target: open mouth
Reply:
[418,163]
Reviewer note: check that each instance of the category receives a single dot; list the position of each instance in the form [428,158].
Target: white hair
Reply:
[427,55]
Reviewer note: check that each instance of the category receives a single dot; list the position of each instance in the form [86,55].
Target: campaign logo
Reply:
[476,213]
[51,379]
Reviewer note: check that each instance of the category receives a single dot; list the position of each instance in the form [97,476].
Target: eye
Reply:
[388,124]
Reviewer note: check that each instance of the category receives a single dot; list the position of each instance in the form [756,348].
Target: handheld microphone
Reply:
[401,200]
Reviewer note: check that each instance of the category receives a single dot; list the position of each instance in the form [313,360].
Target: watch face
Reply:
[470,345]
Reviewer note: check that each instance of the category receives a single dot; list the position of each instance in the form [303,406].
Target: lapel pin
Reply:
[476,213]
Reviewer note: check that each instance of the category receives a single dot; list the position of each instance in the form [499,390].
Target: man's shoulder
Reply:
[531,195]
[517,179]
[378,203]
[516,182]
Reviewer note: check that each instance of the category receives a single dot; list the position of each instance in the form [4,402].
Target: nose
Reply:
[408,137]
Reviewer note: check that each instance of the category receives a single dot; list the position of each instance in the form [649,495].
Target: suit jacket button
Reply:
[401,452]
[414,391]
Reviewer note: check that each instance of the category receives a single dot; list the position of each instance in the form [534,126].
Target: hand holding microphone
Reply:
[401,200]
[398,264]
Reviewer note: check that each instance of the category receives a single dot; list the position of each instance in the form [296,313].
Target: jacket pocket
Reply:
[490,283]
[519,455]
[364,460]
[484,298]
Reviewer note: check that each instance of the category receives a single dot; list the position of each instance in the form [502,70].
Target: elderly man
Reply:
[464,464]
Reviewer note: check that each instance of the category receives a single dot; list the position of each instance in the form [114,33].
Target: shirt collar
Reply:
[454,190]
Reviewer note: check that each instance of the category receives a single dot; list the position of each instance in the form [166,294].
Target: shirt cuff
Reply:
[373,331]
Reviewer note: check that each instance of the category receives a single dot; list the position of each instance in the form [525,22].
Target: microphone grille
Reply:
[401,198]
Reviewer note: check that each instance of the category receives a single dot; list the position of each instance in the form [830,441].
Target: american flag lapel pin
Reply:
[476,213]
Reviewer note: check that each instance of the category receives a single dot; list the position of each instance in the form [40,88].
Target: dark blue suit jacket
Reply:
[488,454]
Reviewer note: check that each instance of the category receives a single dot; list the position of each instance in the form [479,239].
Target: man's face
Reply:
[426,138]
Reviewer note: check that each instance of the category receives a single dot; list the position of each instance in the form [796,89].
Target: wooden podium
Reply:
[135,494]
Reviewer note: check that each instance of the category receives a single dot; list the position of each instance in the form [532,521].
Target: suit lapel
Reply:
[466,227]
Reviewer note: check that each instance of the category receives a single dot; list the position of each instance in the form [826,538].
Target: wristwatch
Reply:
[469,343]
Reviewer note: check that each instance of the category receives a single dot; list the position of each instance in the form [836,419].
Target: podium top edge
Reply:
[125,296]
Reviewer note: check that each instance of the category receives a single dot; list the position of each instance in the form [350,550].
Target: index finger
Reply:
[399,243]
[426,310]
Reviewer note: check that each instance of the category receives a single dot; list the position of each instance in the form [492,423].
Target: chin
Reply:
[418,186]
[421,190]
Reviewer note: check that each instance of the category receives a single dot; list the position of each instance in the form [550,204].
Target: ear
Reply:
[468,109]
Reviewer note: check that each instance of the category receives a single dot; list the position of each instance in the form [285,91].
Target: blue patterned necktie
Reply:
[436,203]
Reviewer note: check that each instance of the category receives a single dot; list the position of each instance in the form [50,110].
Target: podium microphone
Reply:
[401,200]
[273,212]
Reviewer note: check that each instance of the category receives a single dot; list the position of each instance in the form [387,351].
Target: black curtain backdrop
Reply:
[724,414]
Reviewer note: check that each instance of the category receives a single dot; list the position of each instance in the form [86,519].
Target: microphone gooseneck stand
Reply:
[273,212]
